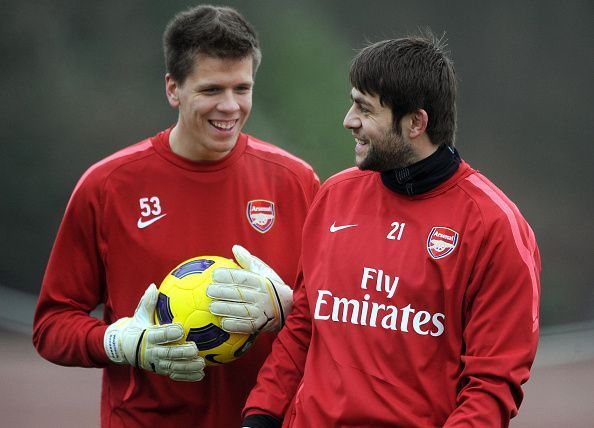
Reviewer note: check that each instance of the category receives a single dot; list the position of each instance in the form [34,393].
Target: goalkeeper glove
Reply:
[139,342]
[252,299]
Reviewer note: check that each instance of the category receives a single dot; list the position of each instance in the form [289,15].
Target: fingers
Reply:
[247,260]
[182,352]
[148,301]
[239,317]
[242,256]
[194,365]
[245,326]
[233,309]
[187,370]
[179,361]
[254,264]
[187,377]
[232,293]
[166,333]
[237,276]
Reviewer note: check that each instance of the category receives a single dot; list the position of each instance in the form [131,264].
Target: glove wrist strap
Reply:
[112,345]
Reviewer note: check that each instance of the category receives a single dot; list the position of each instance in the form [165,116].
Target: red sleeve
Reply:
[282,371]
[501,323]
[63,331]
[314,187]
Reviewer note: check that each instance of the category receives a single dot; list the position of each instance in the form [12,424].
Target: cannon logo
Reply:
[261,214]
[441,242]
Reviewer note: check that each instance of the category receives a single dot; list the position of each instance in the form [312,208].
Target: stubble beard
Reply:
[387,153]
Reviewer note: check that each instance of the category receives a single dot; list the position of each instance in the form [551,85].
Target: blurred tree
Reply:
[302,89]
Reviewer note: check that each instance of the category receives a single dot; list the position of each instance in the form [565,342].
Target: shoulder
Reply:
[348,180]
[99,172]
[345,183]
[499,214]
[491,200]
[274,156]
[348,176]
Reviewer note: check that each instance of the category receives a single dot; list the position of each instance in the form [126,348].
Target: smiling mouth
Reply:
[223,125]
[361,142]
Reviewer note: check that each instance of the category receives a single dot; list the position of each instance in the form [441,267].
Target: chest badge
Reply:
[442,241]
[261,214]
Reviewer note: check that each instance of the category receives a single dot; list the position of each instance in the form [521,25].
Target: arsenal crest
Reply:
[441,242]
[260,214]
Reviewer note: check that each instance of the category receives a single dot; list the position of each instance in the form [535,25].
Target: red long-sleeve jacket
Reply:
[131,219]
[412,311]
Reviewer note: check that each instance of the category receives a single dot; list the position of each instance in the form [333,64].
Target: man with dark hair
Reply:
[418,299]
[196,188]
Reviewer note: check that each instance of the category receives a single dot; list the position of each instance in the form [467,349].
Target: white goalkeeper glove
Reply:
[139,342]
[252,299]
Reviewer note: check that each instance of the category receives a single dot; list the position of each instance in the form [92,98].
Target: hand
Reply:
[139,342]
[252,299]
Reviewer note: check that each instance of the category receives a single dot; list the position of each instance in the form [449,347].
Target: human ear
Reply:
[171,91]
[418,123]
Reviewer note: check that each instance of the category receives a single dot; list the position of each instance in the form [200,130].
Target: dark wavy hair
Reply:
[407,74]
[220,32]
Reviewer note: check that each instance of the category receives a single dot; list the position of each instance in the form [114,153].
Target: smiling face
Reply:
[378,146]
[214,103]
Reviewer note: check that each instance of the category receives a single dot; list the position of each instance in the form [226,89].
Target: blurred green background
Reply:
[81,79]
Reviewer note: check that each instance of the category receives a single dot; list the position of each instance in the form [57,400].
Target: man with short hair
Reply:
[418,298]
[194,189]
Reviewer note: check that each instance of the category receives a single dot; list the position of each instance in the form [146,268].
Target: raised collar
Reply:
[424,175]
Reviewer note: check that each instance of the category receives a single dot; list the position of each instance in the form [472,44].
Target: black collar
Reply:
[424,175]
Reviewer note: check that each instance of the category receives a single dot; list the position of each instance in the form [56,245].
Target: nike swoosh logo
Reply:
[142,224]
[335,228]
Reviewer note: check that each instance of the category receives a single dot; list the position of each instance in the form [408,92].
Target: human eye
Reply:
[243,89]
[362,108]
[210,90]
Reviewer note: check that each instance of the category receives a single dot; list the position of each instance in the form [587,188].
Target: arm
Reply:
[501,328]
[282,371]
[64,332]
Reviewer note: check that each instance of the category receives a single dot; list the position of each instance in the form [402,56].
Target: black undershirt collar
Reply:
[424,175]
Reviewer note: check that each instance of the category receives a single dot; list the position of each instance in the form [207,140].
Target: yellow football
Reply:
[182,299]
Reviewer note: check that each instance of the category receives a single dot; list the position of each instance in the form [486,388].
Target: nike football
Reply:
[182,299]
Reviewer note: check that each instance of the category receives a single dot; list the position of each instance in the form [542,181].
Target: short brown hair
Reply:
[220,32]
[408,74]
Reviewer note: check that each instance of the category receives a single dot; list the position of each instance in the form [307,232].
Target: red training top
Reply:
[412,311]
[132,218]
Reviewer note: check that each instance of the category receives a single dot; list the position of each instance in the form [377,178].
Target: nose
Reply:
[228,104]
[351,121]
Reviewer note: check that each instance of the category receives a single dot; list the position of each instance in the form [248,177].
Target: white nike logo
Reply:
[335,228]
[142,224]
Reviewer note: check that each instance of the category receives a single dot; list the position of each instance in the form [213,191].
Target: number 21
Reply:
[396,227]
